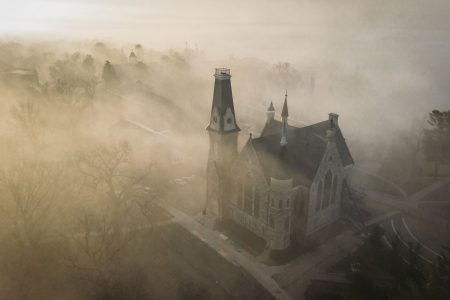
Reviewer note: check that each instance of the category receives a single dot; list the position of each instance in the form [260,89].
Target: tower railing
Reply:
[222,71]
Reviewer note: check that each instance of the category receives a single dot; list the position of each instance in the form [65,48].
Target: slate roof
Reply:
[222,99]
[302,155]
[273,127]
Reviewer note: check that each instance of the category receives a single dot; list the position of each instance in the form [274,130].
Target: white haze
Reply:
[380,64]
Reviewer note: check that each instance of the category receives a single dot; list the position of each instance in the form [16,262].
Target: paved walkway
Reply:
[297,274]
[381,218]
[398,188]
[242,259]
[417,197]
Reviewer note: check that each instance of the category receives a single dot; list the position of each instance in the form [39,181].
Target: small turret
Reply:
[270,113]
[284,116]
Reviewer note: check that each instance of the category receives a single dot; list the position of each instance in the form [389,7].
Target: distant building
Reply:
[283,185]
[21,77]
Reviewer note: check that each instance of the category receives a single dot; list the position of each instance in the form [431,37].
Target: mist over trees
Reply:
[90,138]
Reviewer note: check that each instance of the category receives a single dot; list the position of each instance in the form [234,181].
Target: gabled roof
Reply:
[273,127]
[302,155]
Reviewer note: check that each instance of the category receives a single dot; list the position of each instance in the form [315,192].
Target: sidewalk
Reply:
[417,197]
[258,270]
[296,276]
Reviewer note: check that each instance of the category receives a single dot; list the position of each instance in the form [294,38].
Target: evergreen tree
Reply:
[109,75]
[437,139]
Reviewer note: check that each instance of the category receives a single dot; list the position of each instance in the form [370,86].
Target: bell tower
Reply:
[223,133]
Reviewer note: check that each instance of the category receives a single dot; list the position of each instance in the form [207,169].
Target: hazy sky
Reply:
[398,48]
[262,27]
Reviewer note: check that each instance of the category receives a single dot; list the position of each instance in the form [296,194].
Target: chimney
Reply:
[333,119]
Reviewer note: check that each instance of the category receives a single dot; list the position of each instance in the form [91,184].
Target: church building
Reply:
[283,185]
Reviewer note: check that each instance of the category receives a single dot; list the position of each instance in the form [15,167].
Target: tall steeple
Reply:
[223,135]
[284,128]
[223,119]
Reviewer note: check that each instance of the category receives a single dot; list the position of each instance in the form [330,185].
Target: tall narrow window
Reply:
[319,196]
[299,204]
[334,190]
[240,194]
[271,221]
[256,204]
[327,189]
[286,224]
[248,195]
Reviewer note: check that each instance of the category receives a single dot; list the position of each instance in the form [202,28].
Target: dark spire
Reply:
[223,118]
[271,108]
[284,129]
[284,112]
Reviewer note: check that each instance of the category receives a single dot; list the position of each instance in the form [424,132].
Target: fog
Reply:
[383,63]
[81,143]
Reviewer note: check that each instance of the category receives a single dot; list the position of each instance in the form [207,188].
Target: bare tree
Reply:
[112,177]
[32,191]
[28,117]
[111,182]
[72,81]
[29,212]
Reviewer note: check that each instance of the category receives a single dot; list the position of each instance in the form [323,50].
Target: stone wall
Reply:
[325,196]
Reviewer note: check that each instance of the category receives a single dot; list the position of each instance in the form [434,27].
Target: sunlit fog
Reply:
[224,149]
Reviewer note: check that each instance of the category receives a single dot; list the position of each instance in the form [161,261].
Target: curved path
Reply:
[426,226]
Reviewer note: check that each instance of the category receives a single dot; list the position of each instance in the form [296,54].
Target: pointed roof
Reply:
[284,112]
[302,155]
[223,96]
[271,108]
[223,100]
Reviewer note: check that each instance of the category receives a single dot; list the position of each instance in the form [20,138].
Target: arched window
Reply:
[319,196]
[334,190]
[240,194]
[256,204]
[327,189]
[286,224]
[249,187]
[299,203]
[271,221]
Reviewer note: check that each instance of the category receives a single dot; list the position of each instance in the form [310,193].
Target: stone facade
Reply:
[285,184]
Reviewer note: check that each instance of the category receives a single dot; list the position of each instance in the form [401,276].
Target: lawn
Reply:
[176,265]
